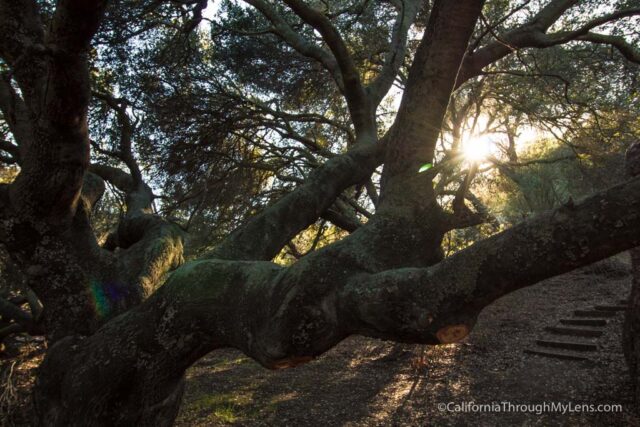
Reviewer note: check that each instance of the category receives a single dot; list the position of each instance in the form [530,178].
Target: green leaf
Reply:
[425,167]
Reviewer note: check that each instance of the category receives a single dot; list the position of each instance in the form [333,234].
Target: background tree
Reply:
[159,105]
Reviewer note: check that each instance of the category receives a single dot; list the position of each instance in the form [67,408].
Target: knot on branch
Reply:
[154,246]
[93,188]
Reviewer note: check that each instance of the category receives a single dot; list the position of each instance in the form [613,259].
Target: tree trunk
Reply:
[127,371]
[133,402]
[118,358]
[631,328]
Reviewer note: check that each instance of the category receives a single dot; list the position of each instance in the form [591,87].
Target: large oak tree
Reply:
[121,334]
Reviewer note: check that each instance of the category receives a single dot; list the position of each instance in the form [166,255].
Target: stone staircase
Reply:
[576,337]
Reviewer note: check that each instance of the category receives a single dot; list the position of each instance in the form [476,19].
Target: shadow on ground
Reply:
[365,382]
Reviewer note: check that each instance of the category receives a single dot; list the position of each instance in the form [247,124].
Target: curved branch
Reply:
[534,34]
[14,328]
[299,43]
[282,317]
[150,245]
[550,13]
[269,231]
[354,91]
[124,152]
[138,197]
[93,189]
[346,222]
[339,62]
[58,97]
[468,218]
[626,49]
[394,59]
[565,36]
[10,311]
[115,176]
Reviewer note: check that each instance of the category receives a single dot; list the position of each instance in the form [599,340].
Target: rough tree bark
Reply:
[120,342]
[631,328]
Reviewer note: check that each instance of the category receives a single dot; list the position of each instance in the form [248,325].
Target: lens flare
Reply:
[477,148]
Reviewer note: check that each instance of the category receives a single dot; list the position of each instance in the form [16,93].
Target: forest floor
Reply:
[367,382]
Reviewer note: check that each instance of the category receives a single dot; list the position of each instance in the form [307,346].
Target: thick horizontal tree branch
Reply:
[285,316]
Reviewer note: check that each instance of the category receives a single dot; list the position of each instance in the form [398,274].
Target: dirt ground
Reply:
[366,382]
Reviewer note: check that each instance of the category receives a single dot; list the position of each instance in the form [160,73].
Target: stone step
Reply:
[584,322]
[610,307]
[594,313]
[556,354]
[567,345]
[575,332]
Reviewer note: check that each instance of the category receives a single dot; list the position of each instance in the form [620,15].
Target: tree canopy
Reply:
[185,175]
